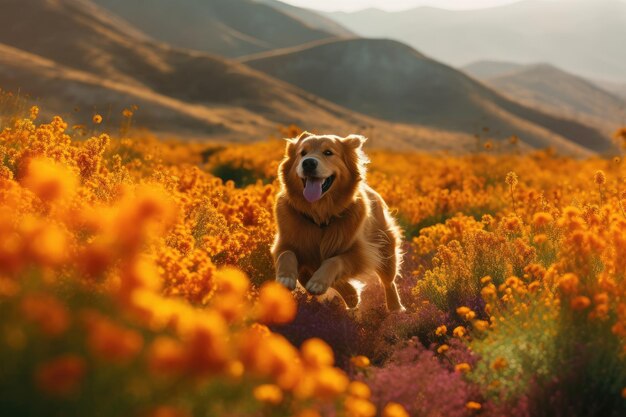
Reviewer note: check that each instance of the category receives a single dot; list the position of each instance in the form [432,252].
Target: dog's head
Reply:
[318,168]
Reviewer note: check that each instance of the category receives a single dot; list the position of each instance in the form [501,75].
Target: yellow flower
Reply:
[316,353]
[441,330]
[568,283]
[442,349]
[49,180]
[358,407]
[34,112]
[167,356]
[360,361]
[330,382]
[97,119]
[511,179]
[276,304]
[542,219]
[268,393]
[481,325]
[599,177]
[359,389]
[394,410]
[459,331]
[232,281]
[462,311]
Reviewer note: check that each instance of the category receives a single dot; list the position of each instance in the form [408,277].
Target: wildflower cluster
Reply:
[139,268]
[114,279]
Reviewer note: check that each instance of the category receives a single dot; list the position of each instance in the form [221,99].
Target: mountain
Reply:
[389,80]
[310,18]
[484,70]
[72,53]
[228,28]
[584,36]
[553,90]
[617,89]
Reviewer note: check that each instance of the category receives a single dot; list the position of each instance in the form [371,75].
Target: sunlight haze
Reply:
[394,5]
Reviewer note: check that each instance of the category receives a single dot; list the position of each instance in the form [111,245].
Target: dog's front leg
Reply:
[287,269]
[331,270]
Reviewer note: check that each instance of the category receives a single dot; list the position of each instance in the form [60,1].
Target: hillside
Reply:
[88,58]
[225,27]
[582,36]
[484,70]
[310,18]
[551,89]
[390,80]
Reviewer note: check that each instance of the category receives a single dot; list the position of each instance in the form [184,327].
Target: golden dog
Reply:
[332,226]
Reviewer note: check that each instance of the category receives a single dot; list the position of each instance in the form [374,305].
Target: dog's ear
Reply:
[354,141]
[303,136]
[292,142]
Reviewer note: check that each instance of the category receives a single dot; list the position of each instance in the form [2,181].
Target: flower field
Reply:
[136,280]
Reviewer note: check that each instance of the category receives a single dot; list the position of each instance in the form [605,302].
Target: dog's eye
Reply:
[328,153]
[303,153]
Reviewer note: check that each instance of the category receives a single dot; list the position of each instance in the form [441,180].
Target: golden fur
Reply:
[345,234]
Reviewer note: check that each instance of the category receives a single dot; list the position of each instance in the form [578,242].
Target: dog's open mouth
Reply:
[314,188]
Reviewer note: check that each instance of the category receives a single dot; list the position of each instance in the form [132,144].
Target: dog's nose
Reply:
[309,165]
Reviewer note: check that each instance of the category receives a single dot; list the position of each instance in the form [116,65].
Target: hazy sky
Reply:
[350,5]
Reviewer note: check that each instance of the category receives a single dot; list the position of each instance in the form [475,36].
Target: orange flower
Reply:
[568,283]
[599,177]
[441,330]
[97,119]
[360,361]
[462,368]
[34,112]
[542,219]
[442,349]
[499,363]
[167,356]
[473,405]
[268,393]
[232,281]
[276,304]
[580,303]
[459,331]
[480,325]
[49,180]
[47,312]
[511,179]
[111,342]
[316,353]
[61,376]
[47,244]
[358,407]
[330,382]
[359,389]
[394,410]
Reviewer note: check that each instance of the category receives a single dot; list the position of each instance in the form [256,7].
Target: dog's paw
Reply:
[288,282]
[316,287]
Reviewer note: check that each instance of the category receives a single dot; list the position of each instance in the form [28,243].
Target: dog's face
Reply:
[321,167]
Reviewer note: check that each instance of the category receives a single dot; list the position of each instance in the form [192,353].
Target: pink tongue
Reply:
[313,189]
